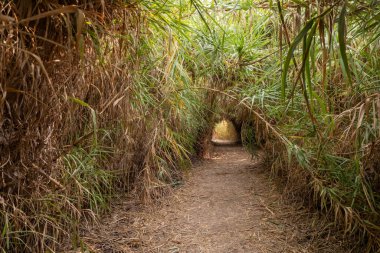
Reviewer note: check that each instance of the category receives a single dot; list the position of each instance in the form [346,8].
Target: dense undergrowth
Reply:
[89,107]
[100,97]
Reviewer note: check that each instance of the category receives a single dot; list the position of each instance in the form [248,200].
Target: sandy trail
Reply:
[227,204]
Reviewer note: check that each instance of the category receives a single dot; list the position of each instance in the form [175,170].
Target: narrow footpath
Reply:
[227,204]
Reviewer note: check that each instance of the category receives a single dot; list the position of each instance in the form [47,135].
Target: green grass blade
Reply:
[342,44]
[290,54]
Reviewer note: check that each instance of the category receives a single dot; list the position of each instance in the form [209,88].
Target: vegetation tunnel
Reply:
[104,98]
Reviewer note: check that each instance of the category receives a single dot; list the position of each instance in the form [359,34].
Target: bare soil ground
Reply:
[227,204]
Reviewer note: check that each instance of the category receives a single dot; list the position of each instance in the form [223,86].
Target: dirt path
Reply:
[227,204]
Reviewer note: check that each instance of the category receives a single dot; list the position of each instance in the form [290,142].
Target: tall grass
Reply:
[89,107]
[305,75]
[99,97]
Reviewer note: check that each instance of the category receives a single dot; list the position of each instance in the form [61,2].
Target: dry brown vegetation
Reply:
[79,116]
[99,97]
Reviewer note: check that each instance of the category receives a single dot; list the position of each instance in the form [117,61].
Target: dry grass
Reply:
[79,117]
[98,96]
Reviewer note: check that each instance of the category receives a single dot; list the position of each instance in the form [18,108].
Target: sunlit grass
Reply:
[225,131]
